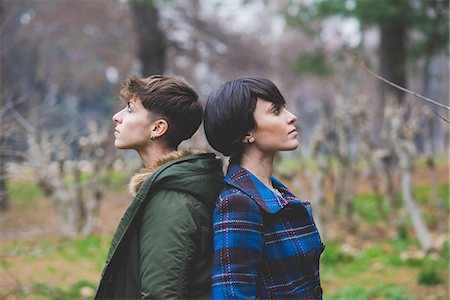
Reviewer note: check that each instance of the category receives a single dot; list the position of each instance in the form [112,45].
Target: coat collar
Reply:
[246,182]
[138,179]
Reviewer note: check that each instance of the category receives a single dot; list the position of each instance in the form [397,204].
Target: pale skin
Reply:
[138,129]
[274,131]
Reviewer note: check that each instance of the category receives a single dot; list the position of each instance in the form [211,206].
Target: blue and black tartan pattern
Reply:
[265,246]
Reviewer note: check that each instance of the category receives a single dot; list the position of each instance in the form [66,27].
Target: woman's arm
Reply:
[238,238]
[167,246]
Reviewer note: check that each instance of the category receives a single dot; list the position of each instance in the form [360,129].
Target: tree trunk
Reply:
[318,186]
[430,149]
[66,210]
[389,185]
[338,191]
[392,57]
[375,186]
[349,193]
[423,234]
[434,183]
[91,209]
[150,38]
[3,192]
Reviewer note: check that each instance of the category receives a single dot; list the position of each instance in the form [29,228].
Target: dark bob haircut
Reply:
[228,115]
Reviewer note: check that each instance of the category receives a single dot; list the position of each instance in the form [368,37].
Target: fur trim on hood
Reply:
[138,179]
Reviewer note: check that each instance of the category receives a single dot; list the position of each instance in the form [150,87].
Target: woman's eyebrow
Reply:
[132,101]
[273,105]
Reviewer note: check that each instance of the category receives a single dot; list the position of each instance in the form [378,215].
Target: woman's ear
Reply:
[248,138]
[159,128]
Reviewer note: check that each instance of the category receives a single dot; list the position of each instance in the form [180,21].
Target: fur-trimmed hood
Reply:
[138,179]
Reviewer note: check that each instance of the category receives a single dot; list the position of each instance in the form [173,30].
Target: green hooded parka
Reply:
[162,248]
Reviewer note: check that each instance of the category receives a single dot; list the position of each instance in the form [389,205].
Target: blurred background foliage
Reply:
[373,160]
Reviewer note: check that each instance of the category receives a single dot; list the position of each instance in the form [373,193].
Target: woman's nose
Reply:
[292,118]
[116,117]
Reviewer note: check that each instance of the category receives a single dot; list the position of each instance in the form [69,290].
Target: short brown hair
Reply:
[172,99]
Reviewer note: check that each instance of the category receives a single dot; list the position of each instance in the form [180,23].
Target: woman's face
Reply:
[274,129]
[133,126]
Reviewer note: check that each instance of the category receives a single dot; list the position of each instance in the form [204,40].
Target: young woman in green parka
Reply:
[163,245]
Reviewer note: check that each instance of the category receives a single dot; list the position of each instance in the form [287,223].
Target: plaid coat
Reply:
[265,245]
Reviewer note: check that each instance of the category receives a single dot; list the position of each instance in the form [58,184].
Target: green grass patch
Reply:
[292,164]
[337,260]
[386,291]
[92,248]
[334,255]
[424,195]
[365,259]
[30,249]
[117,180]
[23,192]
[357,292]
[366,206]
[86,254]
[82,289]
[372,273]
[430,273]
[444,193]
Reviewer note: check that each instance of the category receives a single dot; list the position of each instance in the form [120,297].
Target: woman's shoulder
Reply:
[232,196]
[230,191]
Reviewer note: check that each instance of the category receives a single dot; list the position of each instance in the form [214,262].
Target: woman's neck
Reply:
[153,153]
[260,165]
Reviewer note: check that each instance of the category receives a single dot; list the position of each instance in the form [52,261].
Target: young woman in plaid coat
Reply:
[266,244]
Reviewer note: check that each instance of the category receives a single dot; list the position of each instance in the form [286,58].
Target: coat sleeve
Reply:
[166,245]
[238,237]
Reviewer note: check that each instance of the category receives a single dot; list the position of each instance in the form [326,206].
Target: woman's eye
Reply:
[276,109]
[129,107]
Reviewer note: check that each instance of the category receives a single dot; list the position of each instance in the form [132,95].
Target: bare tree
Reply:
[76,204]
[402,132]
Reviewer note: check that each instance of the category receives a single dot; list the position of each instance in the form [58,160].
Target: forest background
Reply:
[373,159]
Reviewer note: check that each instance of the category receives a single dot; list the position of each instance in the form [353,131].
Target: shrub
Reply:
[430,273]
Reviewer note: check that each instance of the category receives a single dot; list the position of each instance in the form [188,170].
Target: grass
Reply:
[91,248]
[388,268]
[82,289]
[26,193]
[71,268]
[117,180]
[382,272]
[366,205]
[383,291]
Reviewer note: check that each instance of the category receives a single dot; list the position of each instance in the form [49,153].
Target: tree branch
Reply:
[399,87]
[441,116]
[22,121]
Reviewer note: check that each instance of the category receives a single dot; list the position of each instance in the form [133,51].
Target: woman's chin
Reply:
[119,145]
[294,146]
